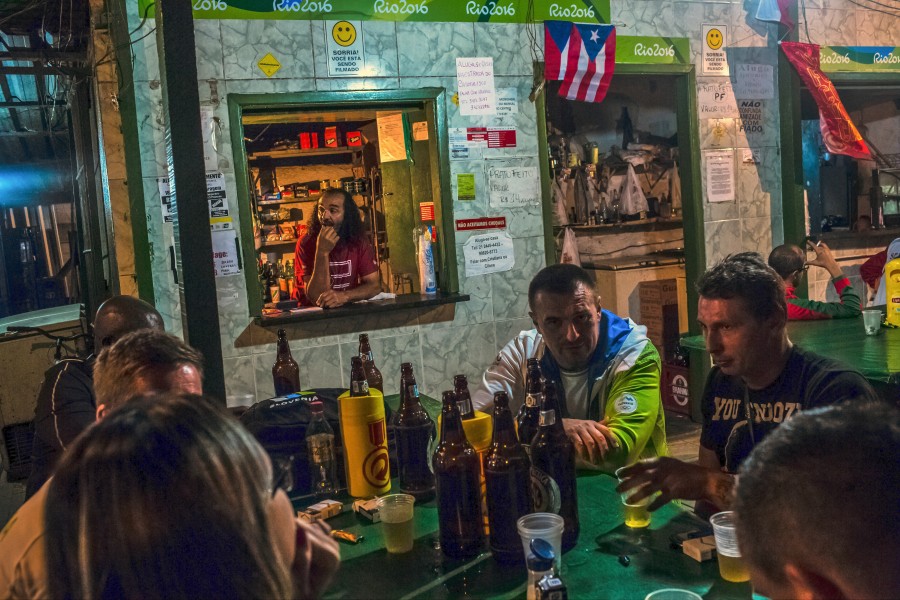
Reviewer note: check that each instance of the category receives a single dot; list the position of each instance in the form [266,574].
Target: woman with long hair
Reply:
[334,261]
[170,497]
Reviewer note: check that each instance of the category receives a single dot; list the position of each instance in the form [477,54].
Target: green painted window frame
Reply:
[435,98]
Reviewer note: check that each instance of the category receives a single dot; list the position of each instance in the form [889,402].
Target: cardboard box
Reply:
[661,292]
[354,138]
[332,137]
[305,143]
[674,386]
[321,510]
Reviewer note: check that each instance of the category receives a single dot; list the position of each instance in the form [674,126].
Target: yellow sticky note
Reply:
[465,183]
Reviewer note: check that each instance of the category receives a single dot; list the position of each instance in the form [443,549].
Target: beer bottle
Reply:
[373,375]
[320,448]
[507,476]
[285,371]
[413,430]
[359,385]
[463,398]
[272,284]
[458,486]
[529,416]
[553,469]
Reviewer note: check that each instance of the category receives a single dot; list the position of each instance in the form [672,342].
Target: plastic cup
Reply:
[635,513]
[542,526]
[731,566]
[872,320]
[396,512]
[673,594]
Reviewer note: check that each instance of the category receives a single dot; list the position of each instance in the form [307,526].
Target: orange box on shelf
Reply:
[354,138]
[332,137]
[305,143]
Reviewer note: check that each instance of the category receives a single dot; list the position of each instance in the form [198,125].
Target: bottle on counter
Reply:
[283,292]
[529,417]
[553,469]
[320,448]
[264,276]
[373,375]
[289,276]
[414,431]
[463,398]
[507,476]
[457,485]
[285,371]
[272,284]
[359,384]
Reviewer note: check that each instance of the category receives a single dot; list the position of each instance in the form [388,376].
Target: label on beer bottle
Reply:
[548,417]
[544,492]
[532,400]
[359,388]
[412,391]
[320,449]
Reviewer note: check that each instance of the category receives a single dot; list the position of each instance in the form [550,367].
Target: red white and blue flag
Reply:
[581,56]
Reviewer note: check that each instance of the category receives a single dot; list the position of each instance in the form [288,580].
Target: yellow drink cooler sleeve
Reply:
[892,291]
[364,434]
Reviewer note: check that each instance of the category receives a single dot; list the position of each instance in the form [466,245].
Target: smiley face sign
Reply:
[714,38]
[344,33]
[714,41]
[345,49]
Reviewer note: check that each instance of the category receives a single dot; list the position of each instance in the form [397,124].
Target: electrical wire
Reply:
[895,7]
[130,42]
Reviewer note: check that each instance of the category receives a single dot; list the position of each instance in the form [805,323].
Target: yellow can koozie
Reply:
[364,434]
[892,291]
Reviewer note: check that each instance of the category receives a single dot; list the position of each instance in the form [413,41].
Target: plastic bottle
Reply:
[427,280]
[540,563]
[320,447]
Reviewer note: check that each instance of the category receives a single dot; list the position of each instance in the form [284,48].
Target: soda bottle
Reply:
[359,385]
[463,398]
[285,371]
[320,446]
[414,430]
[458,486]
[529,416]
[553,469]
[373,375]
[507,475]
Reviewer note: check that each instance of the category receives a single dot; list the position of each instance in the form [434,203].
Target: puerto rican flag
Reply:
[581,56]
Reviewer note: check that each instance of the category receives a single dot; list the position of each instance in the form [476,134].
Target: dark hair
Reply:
[822,490]
[351,229]
[747,277]
[558,279]
[786,259]
[167,497]
[136,356]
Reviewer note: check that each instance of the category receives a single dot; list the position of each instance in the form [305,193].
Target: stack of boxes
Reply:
[659,313]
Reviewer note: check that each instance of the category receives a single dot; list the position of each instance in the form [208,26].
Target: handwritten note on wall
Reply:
[513,186]
[475,78]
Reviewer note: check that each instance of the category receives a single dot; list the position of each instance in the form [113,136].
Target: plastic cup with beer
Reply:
[731,565]
[396,512]
[635,512]
[673,594]
[542,526]
[872,320]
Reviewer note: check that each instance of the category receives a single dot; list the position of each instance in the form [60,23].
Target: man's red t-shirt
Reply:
[349,261]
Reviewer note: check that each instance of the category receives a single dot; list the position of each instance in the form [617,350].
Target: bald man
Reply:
[66,404]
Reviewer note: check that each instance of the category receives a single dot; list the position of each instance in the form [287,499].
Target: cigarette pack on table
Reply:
[700,549]
[321,511]
[368,509]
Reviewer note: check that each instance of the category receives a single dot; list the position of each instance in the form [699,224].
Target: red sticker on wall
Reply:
[482,223]
[426,211]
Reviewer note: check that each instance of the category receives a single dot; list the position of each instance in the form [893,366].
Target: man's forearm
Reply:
[318,281]
[364,291]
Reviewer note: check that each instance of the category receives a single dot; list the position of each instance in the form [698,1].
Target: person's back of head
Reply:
[817,504]
[142,362]
[747,277]
[121,315]
[165,498]
[786,259]
[561,279]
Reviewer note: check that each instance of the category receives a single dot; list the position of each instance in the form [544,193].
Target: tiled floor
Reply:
[683,435]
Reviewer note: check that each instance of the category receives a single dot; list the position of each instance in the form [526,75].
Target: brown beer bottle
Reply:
[414,430]
[507,471]
[373,375]
[529,416]
[285,371]
[359,385]
[553,485]
[463,398]
[458,486]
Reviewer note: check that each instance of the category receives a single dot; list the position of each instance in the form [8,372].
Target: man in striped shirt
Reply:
[789,261]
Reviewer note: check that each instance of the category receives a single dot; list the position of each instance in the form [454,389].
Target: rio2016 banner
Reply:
[435,11]
[859,58]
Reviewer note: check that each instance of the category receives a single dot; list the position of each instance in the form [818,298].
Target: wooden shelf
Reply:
[310,198]
[304,153]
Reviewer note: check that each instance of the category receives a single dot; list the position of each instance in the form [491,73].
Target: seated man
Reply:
[335,263]
[759,380]
[789,261]
[605,368]
[65,403]
[816,505]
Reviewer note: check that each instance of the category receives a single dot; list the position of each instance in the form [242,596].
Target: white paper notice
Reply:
[165,197]
[225,259]
[420,131]
[754,82]
[391,141]
[219,217]
[719,175]
[513,186]
[489,253]
[714,42]
[475,78]
[344,49]
[507,101]
[715,99]
[208,128]
[459,145]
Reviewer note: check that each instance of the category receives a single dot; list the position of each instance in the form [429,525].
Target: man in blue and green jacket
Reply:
[605,368]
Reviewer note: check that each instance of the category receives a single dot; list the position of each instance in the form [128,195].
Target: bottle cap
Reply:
[541,556]
[316,406]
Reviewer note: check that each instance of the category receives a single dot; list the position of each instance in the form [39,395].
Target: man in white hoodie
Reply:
[605,369]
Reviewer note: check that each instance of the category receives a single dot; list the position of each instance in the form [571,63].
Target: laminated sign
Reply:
[489,253]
